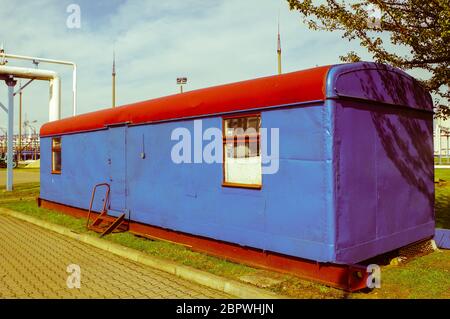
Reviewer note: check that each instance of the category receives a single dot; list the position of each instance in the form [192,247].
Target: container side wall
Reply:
[84,164]
[289,215]
[385,179]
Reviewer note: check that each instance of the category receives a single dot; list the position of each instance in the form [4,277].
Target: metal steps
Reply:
[104,223]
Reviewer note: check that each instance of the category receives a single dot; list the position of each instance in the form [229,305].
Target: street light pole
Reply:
[19,153]
[34,141]
[180,82]
[10,82]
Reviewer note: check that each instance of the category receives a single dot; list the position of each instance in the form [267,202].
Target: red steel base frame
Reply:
[348,277]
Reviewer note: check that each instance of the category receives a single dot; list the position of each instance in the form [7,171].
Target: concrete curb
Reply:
[225,285]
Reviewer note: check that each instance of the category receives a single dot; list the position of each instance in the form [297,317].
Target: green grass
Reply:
[422,277]
[21,192]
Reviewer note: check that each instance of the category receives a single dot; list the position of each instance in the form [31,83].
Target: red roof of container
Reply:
[289,88]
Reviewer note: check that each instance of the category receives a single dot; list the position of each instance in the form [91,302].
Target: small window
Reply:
[56,155]
[242,152]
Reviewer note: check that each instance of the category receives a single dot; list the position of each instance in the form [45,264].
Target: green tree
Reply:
[422,26]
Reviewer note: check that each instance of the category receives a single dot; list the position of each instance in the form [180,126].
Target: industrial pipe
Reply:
[38,74]
[74,75]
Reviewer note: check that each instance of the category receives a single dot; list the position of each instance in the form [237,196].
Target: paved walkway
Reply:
[34,261]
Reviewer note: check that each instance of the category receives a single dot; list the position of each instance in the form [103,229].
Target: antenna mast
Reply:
[114,79]
[279,46]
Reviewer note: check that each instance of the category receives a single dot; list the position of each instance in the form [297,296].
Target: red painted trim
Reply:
[289,88]
[339,276]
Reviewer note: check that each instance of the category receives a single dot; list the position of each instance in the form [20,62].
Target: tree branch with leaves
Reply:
[423,27]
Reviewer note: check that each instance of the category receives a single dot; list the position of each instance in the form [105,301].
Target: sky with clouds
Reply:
[210,42]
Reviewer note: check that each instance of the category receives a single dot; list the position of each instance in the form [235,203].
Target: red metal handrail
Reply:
[108,189]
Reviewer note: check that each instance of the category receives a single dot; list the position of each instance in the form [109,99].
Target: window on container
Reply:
[56,155]
[242,152]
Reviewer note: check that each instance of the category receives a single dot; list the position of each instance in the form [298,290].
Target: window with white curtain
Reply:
[242,151]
